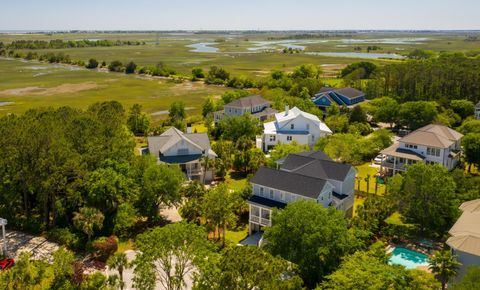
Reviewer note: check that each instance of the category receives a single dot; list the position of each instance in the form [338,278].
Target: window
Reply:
[261,190]
[401,160]
[292,126]
[272,138]
[271,193]
[289,138]
[282,195]
[308,127]
[433,151]
[255,211]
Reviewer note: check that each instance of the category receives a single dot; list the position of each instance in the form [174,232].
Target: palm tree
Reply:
[444,265]
[206,164]
[87,220]
[119,262]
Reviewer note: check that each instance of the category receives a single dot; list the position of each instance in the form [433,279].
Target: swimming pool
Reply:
[408,258]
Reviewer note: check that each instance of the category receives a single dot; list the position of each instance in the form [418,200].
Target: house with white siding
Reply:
[430,144]
[465,236]
[309,175]
[293,125]
[186,150]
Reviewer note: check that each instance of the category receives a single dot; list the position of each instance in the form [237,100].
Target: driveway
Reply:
[39,247]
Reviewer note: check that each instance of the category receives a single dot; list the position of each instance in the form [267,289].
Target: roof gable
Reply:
[250,101]
[433,135]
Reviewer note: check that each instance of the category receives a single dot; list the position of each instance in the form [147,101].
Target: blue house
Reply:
[342,97]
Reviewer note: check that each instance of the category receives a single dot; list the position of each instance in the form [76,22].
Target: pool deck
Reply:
[414,248]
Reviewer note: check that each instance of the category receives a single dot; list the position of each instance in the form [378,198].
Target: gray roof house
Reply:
[342,97]
[255,105]
[308,175]
[465,236]
[184,149]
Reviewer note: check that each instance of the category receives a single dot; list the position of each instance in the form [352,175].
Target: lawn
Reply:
[362,172]
[235,181]
[199,128]
[235,236]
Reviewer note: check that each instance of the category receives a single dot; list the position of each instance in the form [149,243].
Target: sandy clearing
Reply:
[39,91]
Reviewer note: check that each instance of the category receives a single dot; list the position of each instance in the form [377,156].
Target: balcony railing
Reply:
[260,221]
[265,222]
[398,166]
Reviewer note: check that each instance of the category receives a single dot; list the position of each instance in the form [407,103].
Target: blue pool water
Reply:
[409,259]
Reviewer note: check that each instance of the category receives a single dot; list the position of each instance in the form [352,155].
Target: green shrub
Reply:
[64,237]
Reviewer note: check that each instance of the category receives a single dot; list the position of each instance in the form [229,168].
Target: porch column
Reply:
[394,165]
[249,222]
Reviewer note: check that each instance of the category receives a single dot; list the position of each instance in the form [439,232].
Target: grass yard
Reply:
[28,85]
[235,181]
[236,236]
[362,172]
[199,128]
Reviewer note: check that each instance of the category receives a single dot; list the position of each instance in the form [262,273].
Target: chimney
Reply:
[287,109]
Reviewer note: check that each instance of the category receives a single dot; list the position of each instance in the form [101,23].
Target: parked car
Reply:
[379,158]
[6,263]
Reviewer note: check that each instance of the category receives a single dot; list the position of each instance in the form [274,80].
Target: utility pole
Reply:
[3,248]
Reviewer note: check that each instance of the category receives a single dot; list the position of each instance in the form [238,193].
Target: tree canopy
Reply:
[311,236]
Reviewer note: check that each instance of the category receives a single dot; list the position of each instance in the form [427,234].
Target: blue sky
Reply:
[238,14]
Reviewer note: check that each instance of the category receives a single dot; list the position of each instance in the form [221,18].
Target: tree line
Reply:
[59,43]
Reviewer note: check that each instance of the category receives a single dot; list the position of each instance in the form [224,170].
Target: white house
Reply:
[186,150]
[477,111]
[293,125]
[309,176]
[465,236]
[430,144]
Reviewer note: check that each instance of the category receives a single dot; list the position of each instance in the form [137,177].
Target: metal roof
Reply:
[255,199]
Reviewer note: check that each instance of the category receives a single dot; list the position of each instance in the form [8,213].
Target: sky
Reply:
[238,14]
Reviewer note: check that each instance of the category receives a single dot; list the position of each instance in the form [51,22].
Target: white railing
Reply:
[254,219]
[265,222]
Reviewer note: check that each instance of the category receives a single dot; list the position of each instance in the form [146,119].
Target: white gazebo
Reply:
[3,244]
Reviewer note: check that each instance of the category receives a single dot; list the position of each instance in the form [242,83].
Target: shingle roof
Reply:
[465,233]
[346,92]
[433,135]
[291,182]
[316,164]
[170,137]
[394,150]
[293,114]
[250,101]
[349,92]
[266,112]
